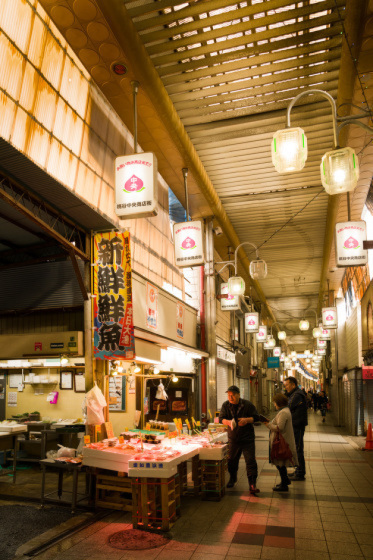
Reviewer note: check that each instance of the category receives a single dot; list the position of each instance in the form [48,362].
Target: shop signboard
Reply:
[273,362]
[321,344]
[367,372]
[112,312]
[282,357]
[136,186]
[325,333]
[228,303]
[277,351]
[151,306]
[321,351]
[329,317]
[188,242]
[261,335]
[180,313]
[251,322]
[349,239]
[225,355]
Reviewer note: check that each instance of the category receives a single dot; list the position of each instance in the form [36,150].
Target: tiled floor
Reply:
[328,516]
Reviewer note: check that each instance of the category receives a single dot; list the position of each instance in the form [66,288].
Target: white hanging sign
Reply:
[188,242]
[277,351]
[251,322]
[282,357]
[321,344]
[321,351]
[325,333]
[228,303]
[329,317]
[261,335]
[136,186]
[349,238]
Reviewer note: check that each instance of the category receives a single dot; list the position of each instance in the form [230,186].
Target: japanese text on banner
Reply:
[113,313]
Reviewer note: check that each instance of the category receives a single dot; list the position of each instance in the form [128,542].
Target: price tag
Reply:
[121,439]
[188,424]
[147,426]
[87,440]
[194,422]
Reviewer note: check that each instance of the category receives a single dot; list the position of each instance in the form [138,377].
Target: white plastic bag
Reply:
[161,392]
[95,402]
[65,451]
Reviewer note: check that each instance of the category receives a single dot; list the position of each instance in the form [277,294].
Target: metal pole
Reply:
[135,89]
[185,173]
[348,207]
[328,97]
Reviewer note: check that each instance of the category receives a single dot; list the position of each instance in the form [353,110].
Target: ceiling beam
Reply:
[6,197]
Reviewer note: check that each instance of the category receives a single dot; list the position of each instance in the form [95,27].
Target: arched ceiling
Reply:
[215,79]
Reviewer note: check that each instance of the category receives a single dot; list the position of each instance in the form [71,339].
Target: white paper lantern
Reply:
[236,286]
[277,352]
[316,332]
[271,341]
[289,150]
[339,171]
[325,333]
[281,335]
[258,269]
[261,335]
[293,354]
[304,325]
[251,322]
[329,317]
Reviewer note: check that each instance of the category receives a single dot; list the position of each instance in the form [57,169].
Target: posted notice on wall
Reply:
[12,398]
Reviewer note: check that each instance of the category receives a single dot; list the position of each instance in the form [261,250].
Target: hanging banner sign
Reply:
[277,352]
[188,242]
[112,286]
[329,317]
[228,303]
[273,362]
[321,344]
[151,306]
[349,239]
[321,351]
[325,333]
[282,357]
[180,313]
[251,322]
[261,335]
[136,186]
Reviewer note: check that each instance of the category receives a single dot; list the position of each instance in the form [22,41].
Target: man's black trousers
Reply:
[298,436]
[248,450]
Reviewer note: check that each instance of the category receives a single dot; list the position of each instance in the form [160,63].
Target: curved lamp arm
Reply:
[328,97]
[273,324]
[313,311]
[236,251]
[227,264]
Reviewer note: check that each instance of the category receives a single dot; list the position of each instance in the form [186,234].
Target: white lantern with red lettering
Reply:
[321,344]
[136,186]
[325,333]
[228,302]
[329,317]
[188,243]
[349,244]
[251,322]
[277,352]
[261,335]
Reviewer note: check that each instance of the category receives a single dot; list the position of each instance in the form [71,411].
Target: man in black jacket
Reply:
[297,403]
[239,415]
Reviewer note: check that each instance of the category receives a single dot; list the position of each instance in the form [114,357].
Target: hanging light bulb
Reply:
[289,150]
[316,332]
[304,325]
[64,361]
[258,269]
[175,379]
[155,370]
[135,367]
[339,171]
[293,354]
[236,286]
[307,353]
[281,335]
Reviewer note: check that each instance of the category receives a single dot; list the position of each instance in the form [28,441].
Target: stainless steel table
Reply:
[8,442]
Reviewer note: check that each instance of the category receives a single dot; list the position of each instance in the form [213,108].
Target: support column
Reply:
[88,323]
[210,313]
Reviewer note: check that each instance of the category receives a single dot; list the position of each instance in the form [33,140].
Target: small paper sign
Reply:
[87,440]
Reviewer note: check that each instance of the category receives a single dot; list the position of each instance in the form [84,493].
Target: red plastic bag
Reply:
[280,449]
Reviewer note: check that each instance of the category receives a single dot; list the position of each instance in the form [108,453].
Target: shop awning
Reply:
[169,343]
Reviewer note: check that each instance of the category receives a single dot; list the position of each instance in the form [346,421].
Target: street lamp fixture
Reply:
[271,342]
[316,332]
[339,167]
[304,325]
[281,335]
[236,286]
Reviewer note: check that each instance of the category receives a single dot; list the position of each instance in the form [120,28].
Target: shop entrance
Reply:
[181,402]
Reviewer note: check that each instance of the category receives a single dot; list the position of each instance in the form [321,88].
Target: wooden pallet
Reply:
[155,502]
[113,492]
[213,479]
